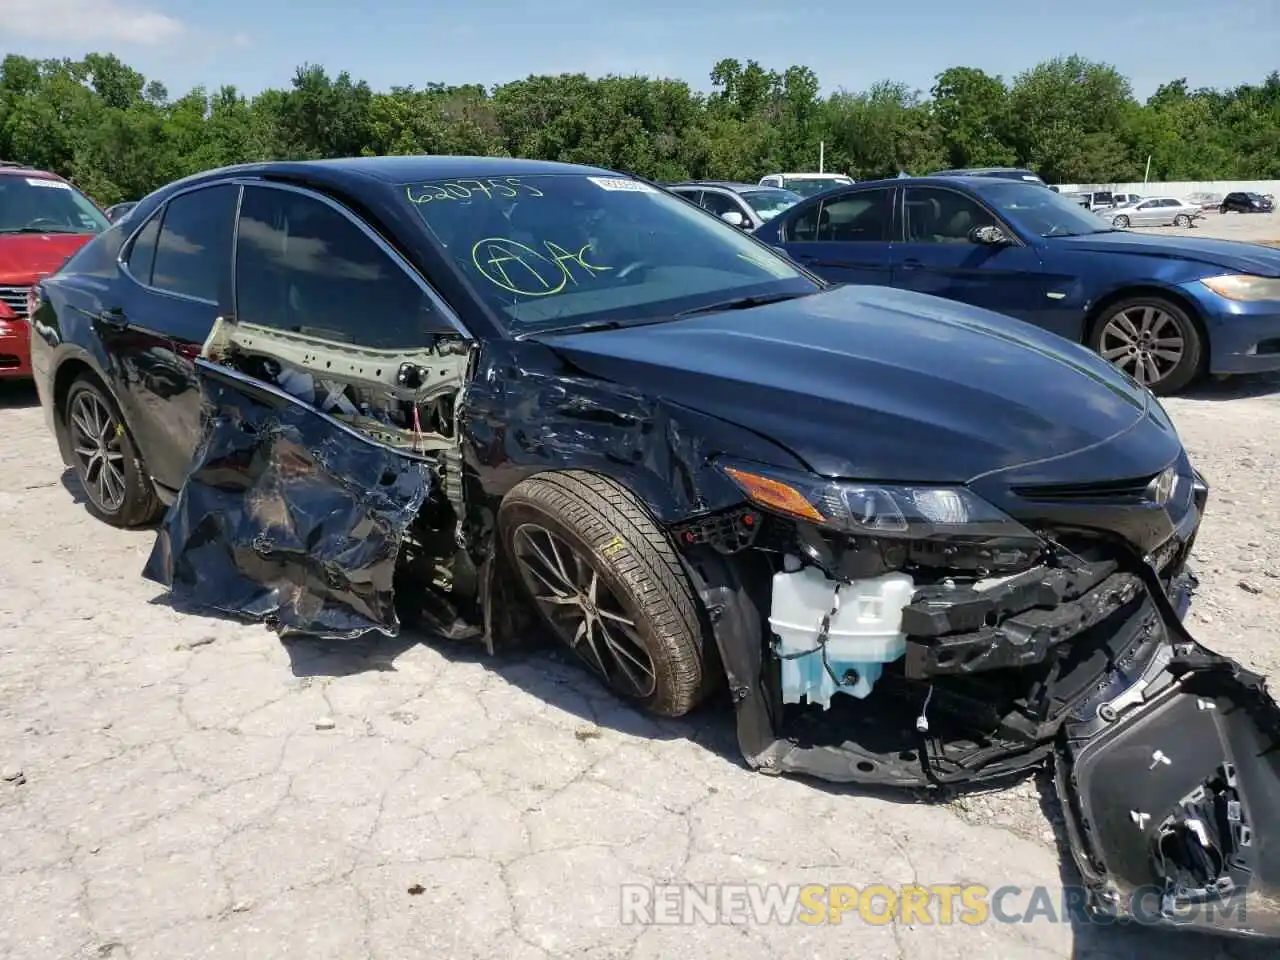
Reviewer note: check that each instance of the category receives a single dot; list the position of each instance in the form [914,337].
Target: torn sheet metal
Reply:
[287,515]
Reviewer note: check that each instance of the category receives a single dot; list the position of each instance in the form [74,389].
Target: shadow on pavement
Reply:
[71,483]
[18,394]
[540,670]
[1243,387]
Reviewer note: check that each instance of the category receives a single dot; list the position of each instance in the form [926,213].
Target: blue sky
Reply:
[257,43]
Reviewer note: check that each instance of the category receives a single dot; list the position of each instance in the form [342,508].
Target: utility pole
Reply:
[822,154]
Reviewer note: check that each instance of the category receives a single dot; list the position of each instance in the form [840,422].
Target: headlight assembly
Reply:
[882,511]
[1244,287]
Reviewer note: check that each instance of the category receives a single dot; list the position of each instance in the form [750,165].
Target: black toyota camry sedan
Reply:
[921,544]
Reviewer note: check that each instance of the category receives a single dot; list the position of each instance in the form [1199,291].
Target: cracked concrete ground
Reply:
[192,787]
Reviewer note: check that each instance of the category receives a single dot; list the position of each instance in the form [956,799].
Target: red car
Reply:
[43,220]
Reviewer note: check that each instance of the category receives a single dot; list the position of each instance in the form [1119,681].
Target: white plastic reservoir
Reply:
[865,633]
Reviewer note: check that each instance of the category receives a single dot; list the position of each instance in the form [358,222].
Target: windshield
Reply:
[770,203]
[40,205]
[808,186]
[1041,212]
[567,250]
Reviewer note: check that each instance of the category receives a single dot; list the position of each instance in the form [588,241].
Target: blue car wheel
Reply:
[1153,340]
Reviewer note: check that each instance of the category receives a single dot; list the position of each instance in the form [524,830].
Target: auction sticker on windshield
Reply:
[621,183]
[40,182]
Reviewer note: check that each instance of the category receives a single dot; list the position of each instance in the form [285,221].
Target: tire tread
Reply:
[601,511]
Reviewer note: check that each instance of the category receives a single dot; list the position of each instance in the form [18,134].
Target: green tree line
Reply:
[102,124]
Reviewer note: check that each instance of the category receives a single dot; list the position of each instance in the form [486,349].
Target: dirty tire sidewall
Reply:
[594,514]
[140,506]
[1192,364]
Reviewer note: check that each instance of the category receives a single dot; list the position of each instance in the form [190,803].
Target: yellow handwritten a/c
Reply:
[564,257]
[493,255]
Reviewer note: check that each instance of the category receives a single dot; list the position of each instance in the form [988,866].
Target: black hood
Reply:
[872,382]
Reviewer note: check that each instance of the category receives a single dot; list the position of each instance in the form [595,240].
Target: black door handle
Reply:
[114,318]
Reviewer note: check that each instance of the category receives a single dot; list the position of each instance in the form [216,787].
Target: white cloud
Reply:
[86,21]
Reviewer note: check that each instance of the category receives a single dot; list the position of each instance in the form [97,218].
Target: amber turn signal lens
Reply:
[775,495]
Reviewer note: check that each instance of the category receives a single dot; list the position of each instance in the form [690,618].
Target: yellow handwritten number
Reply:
[506,187]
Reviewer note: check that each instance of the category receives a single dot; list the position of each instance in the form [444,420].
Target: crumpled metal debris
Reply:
[287,515]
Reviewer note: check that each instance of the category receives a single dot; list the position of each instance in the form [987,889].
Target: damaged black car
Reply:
[919,543]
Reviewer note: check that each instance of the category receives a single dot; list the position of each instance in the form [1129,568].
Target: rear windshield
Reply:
[565,250]
[41,205]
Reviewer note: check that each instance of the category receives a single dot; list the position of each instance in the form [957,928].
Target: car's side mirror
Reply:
[991,236]
[734,218]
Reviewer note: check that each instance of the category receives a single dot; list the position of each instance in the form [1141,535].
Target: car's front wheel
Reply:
[106,462]
[1120,223]
[607,582]
[1152,339]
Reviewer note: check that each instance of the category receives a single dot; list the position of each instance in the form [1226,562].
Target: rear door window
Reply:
[142,253]
[193,250]
[864,217]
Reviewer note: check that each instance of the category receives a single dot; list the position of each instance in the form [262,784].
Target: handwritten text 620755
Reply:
[491,188]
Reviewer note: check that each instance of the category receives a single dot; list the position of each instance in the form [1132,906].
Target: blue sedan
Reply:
[1166,310]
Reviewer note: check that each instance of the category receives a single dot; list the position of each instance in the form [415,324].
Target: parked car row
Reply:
[922,543]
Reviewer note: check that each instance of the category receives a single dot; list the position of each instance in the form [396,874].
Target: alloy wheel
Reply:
[95,440]
[583,611]
[1144,341]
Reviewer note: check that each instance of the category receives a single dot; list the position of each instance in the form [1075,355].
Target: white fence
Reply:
[1177,188]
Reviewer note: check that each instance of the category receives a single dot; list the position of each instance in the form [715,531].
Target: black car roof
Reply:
[351,171]
[415,168]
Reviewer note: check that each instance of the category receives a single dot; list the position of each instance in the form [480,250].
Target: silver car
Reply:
[1154,212]
[745,205]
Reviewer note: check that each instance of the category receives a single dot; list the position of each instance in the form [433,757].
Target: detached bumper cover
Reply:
[1171,790]
[287,515]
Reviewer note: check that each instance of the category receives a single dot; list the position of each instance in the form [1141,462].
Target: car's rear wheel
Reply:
[606,581]
[1182,220]
[1152,339]
[1120,223]
[1222,208]
[116,486]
